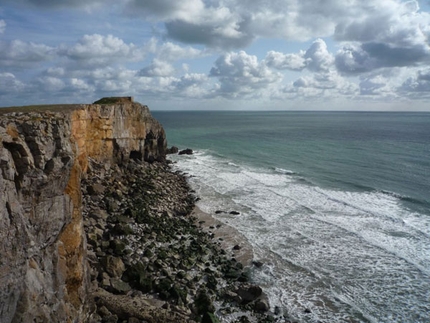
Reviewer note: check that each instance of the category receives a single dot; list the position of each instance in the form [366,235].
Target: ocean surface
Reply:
[335,204]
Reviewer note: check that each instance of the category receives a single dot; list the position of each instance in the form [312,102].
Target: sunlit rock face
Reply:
[44,153]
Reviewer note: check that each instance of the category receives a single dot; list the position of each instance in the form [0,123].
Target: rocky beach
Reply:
[155,257]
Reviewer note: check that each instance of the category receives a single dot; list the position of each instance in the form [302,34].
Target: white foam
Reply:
[356,252]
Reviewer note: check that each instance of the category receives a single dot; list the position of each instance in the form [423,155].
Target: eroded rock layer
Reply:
[44,154]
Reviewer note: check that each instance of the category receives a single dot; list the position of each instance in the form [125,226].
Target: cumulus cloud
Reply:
[80,85]
[418,84]
[326,81]
[317,59]
[389,35]
[193,85]
[241,74]
[17,53]
[157,68]
[99,50]
[50,84]
[281,61]
[10,84]
[169,51]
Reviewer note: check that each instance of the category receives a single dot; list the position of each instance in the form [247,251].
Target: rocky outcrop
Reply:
[44,154]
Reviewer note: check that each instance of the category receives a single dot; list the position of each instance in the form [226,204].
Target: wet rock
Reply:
[187,151]
[249,293]
[262,305]
[257,264]
[172,150]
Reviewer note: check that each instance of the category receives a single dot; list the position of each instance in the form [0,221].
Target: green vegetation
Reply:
[40,108]
[114,100]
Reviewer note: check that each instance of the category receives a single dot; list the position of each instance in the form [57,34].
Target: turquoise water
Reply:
[336,204]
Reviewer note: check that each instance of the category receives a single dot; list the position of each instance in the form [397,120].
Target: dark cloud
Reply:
[418,84]
[60,3]
[369,56]
[191,33]
[388,55]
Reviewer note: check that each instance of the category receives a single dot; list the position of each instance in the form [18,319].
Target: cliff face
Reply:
[44,154]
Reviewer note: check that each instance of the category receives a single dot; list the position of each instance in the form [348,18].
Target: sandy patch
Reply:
[227,236]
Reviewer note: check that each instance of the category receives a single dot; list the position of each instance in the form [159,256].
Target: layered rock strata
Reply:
[44,154]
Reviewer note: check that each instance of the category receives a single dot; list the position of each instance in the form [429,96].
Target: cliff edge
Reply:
[44,154]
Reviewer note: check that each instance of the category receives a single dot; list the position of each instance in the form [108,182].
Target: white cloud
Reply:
[390,34]
[17,53]
[170,52]
[10,84]
[99,50]
[242,74]
[417,85]
[281,61]
[331,81]
[51,84]
[157,68]
[80,85]
[316,59]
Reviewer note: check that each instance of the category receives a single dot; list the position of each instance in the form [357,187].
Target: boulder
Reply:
[114,266]
[172,150]
[262,305]
[249,293]
[187,151]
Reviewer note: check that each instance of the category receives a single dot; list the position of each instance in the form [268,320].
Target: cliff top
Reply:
[64,107]
[41,108]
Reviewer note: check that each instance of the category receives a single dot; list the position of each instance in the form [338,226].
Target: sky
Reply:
[218,54]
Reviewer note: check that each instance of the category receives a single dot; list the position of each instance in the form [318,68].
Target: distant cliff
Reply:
[44,154]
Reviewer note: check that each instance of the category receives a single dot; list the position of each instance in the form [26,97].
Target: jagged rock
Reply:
[172,150]
[118,286]
[114,266]
[187,151]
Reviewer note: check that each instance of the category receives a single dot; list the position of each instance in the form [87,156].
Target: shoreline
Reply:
[229,238]
[149,245]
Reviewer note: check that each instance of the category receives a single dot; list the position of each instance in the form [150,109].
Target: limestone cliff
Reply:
[44,153]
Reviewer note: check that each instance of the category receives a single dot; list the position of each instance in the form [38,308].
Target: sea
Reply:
[336,205]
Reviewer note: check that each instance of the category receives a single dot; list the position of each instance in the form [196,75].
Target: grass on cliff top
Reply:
[40,108]
[63,107]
